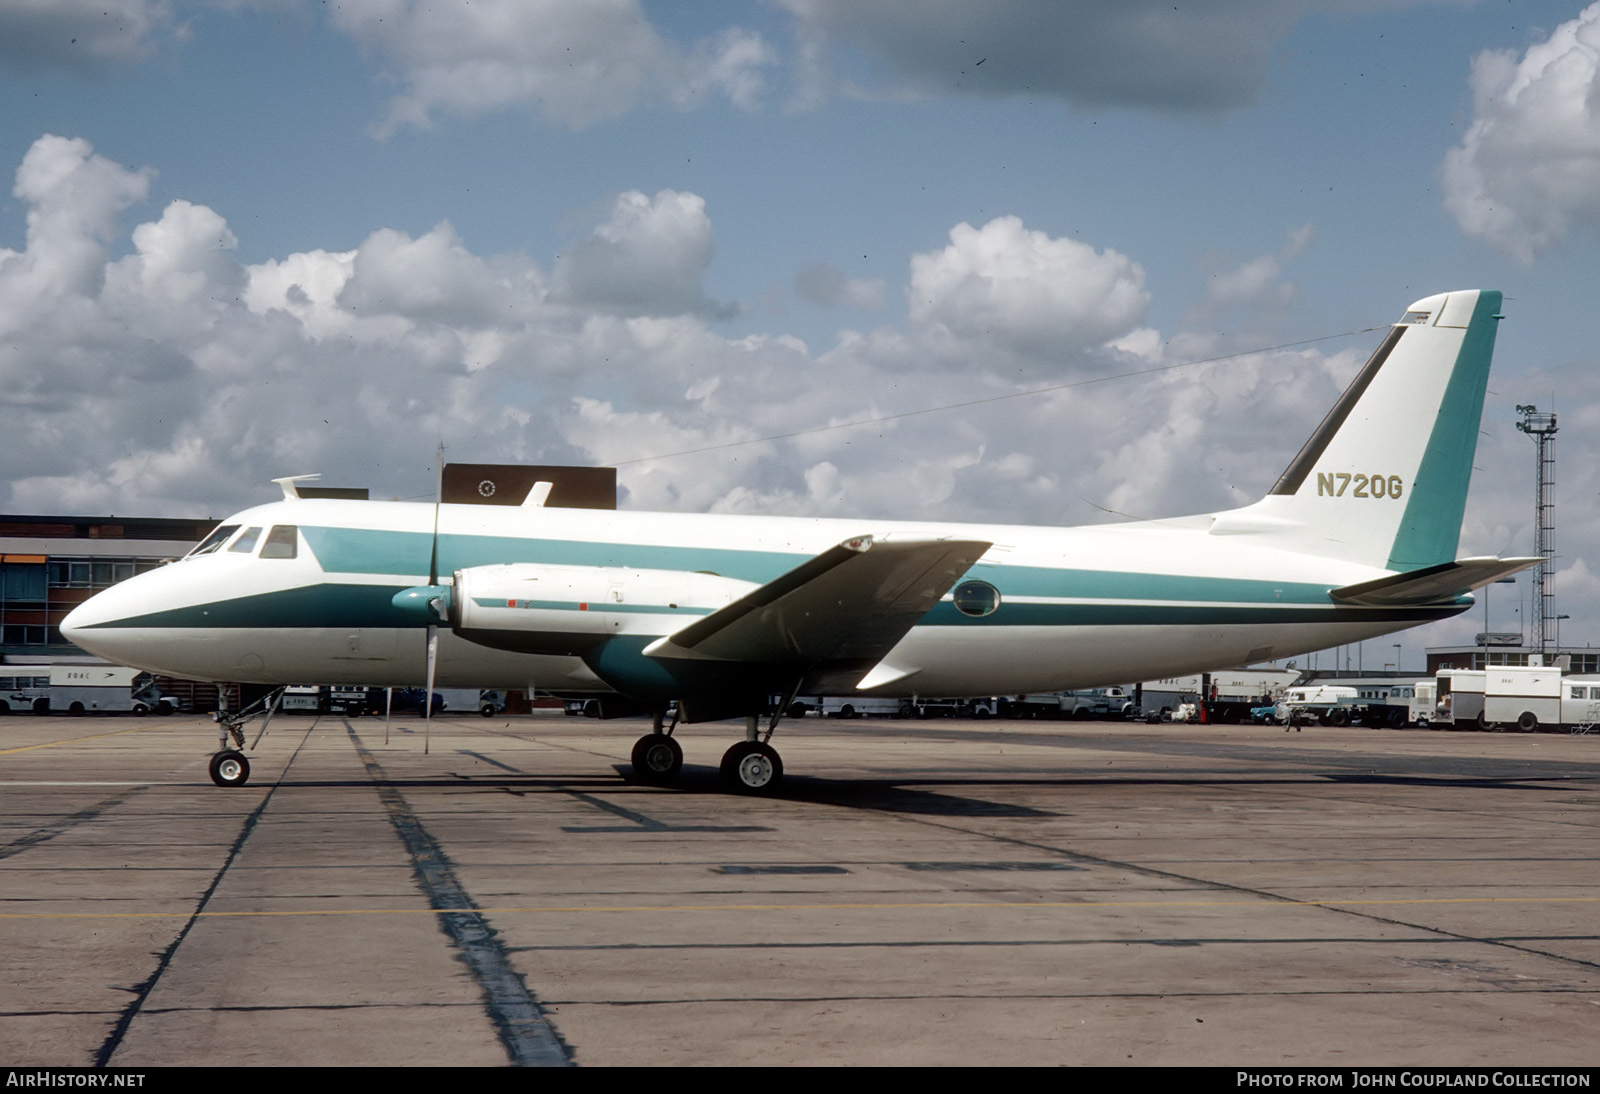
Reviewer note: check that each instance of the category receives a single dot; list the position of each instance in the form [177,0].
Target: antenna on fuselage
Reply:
[288,484]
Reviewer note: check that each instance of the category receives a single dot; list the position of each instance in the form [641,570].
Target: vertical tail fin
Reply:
[1383,481]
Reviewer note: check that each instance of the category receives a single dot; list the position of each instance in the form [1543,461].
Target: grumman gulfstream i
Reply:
[711,615]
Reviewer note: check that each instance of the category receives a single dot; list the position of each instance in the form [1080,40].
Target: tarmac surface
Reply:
[928,893]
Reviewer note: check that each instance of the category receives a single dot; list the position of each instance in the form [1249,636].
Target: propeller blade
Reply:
[388,711]
[427,694]
[438,499]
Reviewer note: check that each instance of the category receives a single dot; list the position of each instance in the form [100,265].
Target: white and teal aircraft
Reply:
[713,615]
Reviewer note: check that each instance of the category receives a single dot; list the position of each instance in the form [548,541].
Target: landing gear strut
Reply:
[229,765]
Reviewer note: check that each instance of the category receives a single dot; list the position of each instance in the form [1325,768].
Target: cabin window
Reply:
[976,598]
[281,542]
[214,541]
[247,542]
[1580,693]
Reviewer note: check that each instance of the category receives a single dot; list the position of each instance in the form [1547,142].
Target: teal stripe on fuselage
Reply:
[405,554]
[325,605]
[337,605]
[373,551]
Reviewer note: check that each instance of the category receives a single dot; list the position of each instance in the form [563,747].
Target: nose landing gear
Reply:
[230,768]
[229,765]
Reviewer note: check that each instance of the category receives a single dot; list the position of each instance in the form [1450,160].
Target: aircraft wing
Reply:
[847,606]
[1432,584]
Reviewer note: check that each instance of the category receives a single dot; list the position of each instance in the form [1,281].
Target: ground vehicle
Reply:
[1111,702]
[490,703]
[301,699]
[81,688]
[1526,697]
[27,690]
[1325,703]
[348,700]
[410,700]
[860,706]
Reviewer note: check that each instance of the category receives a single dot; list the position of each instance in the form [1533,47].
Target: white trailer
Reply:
[1526,697]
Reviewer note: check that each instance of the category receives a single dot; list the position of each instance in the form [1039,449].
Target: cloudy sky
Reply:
[249,238]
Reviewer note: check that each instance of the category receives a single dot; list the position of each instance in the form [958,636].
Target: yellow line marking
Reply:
[75,740]
[655,909]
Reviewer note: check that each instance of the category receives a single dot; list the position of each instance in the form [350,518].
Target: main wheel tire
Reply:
[230,768]
[752,767]
[657,758]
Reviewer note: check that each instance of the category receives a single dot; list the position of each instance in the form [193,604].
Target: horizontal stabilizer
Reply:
[1434,584]
[852,604]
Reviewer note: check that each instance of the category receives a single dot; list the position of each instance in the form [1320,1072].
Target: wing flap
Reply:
[851,603]
[1432,584]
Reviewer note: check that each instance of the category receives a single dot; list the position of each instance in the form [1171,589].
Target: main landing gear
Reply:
[752,766]
[229,765]
[657,756]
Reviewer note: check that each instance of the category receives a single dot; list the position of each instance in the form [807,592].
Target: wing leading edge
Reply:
[843,610]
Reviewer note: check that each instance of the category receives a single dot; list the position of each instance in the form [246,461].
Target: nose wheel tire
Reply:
[657,758]
[752,767]
[230,768]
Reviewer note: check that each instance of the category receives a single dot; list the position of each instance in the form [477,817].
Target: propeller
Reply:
[429,604]
[435,603]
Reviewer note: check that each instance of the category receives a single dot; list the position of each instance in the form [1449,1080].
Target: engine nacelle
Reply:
[532,607]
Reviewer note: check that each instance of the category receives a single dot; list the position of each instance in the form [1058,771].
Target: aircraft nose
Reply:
[99,624]
[79,627]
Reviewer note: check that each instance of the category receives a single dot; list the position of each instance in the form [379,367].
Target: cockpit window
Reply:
[247,542]
[281,542]
[214,540]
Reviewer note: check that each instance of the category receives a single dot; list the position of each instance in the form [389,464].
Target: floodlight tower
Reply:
[1542,428]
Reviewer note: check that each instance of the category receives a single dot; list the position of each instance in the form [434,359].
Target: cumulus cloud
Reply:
[80,35]
[1006,285]
[574,62]
[1147,54]
[1527,173]
[648,258]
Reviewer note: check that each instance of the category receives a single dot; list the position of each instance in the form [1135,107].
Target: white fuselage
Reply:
[1078,607]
